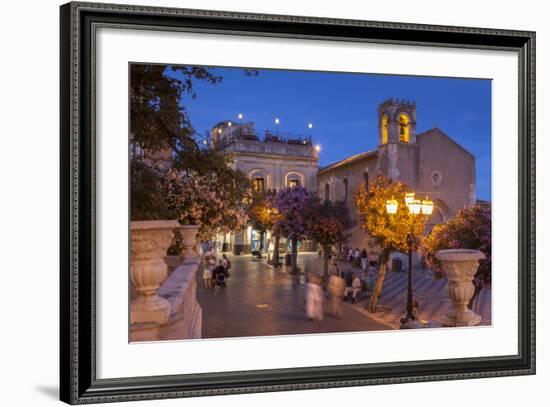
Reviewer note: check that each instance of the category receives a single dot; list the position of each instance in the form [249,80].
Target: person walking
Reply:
[207,274]
[314,299]
[336,286]
[369,278]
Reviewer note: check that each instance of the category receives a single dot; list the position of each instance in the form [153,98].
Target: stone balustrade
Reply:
[185,317]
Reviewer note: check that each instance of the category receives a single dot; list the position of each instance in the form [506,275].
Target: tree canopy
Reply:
[158,119]
[327,222]
[160,123]
[261,212]
[469,229]
[291,203]
[389,231]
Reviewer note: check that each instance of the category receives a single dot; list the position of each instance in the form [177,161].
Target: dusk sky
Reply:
[343,109]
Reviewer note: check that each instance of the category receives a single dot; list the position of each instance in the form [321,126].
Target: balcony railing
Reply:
[265,136]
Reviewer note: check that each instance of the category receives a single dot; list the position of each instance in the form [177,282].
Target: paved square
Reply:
[260,300]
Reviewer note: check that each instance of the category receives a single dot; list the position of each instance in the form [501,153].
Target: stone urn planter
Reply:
[460,266]
[189,235]
[148,269]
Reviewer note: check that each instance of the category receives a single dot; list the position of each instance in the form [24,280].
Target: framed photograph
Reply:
[254,203]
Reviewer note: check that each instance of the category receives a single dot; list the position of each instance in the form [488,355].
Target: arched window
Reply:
[327,192]
[345,189]
[404,128]
[366,180]
[294,179]
[259,180]
[258,184]
[384,128]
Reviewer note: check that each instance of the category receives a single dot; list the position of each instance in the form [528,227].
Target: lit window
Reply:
[294,182]
[384,128]
[404,128]
[258,184]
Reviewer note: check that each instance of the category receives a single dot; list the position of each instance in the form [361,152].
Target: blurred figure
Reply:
[364,259]
[219,274]
[314,299]
[353,286]
[226,263]
[334,269]
[207,274]
[369,278]
[336,286]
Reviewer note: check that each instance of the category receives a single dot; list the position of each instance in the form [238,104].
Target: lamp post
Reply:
[416,207]
[277,121]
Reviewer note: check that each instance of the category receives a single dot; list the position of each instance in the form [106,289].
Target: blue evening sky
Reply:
[343,109]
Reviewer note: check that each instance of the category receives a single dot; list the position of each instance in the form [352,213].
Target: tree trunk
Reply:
[294,254]
[261,248]
[379,280]
[326,255]
[275,259]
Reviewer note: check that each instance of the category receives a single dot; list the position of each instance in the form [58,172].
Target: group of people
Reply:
[215,274]
[341,286]
[359,258]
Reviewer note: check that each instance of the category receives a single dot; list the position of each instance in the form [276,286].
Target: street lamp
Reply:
[391,206]
[409,197]
[277,121]
[416,207]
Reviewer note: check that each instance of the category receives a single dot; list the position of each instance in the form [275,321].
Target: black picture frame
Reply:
[78,381]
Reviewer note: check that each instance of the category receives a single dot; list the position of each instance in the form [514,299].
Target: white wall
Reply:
[29,204]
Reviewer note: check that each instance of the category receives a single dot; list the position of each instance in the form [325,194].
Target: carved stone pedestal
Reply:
[150,240]
[460,266]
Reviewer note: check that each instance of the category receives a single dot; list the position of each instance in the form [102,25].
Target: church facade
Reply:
[431,163]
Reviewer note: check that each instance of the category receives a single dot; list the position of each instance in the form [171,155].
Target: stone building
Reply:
[431,163]
[272,161]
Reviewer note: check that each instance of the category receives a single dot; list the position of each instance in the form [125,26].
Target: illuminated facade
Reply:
[272,161]
[431,164]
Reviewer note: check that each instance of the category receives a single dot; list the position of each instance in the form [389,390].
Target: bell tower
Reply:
[397,122]
[397,149]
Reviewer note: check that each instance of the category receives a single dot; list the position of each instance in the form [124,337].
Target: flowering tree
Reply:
[469,229]
[291,203]
[327,224]
[262,215]
[210,192]
[203,200]
[389,231]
